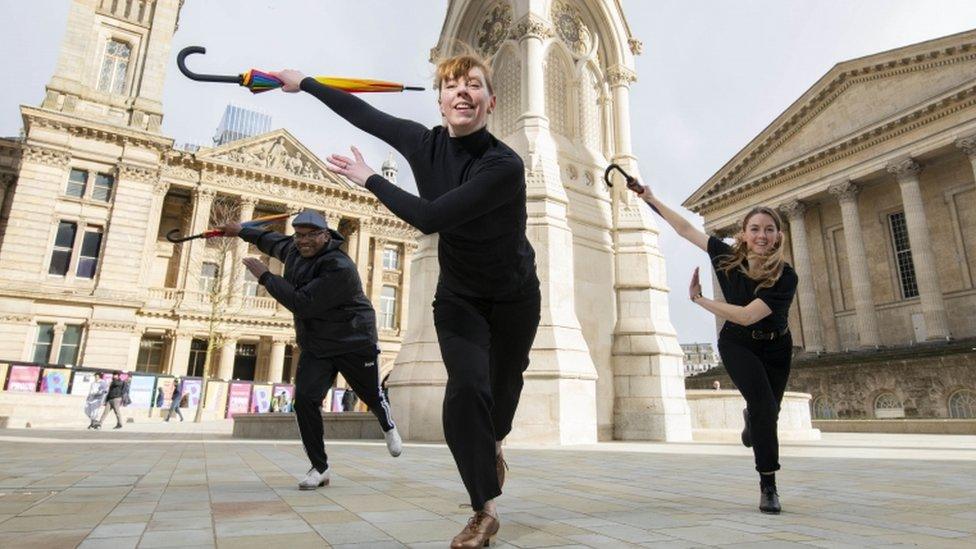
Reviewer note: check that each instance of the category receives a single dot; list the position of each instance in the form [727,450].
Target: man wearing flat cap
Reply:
[335,326]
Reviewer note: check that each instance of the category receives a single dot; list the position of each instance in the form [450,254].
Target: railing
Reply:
[168,298]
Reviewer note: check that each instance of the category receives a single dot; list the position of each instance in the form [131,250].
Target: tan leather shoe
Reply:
[479,532]
[500,466]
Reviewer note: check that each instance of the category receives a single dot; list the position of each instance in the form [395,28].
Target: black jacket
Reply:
[115,389]
[324,293]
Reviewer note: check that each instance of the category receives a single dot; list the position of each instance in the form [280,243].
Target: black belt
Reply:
[766,335]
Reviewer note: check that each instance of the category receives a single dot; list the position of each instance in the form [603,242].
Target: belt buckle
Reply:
[756,334]
[759,334]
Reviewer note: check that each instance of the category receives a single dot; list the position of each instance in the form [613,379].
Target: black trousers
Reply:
[760,369]
[485,345]
[314,378]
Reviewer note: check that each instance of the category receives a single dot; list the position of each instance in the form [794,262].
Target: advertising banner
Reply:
[55,380]
[284,404]
[23,379]
[192,388]
[238,398]
[81,382]
[261,399]
[141,391]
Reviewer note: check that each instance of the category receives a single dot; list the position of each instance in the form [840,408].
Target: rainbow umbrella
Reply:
[174,235]
[259,81]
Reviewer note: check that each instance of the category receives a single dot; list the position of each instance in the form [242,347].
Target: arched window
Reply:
[823,409]
[115,67]
[962,404]
[589,111]
[887,406]
[506,76]
[557,94]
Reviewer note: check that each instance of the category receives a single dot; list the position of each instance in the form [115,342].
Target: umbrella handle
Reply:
[173,236]
[181,63]
[632,183]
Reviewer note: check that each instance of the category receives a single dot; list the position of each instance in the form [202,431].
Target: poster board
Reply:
[55,380]
[261,398]
[142,391]
[23,379]
[289,391]
[238,398]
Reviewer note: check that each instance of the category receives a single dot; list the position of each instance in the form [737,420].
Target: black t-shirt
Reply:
[739,289]
[472,193]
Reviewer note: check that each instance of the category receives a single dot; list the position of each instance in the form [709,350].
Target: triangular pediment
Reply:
[853,98]
[275,151]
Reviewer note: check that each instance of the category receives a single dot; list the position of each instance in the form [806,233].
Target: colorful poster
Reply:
[261,399]
[239,398]
[81,382]
[142,391]
[55,380]
[337,399]
[23,379]
[288,390]
[192,388]
[166,384]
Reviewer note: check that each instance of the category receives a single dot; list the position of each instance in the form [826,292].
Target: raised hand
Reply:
[355,169]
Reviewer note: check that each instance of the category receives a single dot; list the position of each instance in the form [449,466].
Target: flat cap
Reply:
[310,218]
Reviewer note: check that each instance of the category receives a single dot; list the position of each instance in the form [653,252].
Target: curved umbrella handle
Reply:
[181,63]
[632,183]
[174,235]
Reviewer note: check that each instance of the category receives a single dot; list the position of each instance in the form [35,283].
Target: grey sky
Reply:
[713,75]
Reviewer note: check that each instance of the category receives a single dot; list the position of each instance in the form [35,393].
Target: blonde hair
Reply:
[770,266]
[459,66]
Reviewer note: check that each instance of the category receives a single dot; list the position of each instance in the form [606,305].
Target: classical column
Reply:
[228,352]
[246,206]
[648,372]
[276,360]
[6,181]
[968,146]
[361,253]
[179,352]
[376,274]
[403,306]
[191,252]
[867,320]
[54,355]
[152,233]
[812,331]
[926,267]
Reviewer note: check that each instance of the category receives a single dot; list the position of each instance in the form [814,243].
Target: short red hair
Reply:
[459,66]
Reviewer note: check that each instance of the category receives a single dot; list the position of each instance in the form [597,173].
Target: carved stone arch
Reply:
[481,25]
[506,68]
[590,119]
[560,85]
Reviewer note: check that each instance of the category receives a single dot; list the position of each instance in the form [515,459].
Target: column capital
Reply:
[247,201]
[281,340]
[905,168]
[635,45]
[532,26]
[204,193]
[968,145]
[619,75]
[845,190]
[161,188]
[793,209]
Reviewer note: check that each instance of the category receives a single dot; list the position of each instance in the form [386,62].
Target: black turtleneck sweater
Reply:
[472,192]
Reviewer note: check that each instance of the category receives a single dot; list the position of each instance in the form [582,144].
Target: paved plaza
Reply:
[188,485]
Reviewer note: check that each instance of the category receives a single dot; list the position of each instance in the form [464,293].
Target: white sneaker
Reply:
[393,442]
[314,479]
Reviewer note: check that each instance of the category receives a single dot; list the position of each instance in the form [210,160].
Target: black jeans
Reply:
[760,369]
[485,345]
[314,378]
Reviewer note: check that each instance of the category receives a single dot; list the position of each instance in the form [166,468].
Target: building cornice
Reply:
[90,129]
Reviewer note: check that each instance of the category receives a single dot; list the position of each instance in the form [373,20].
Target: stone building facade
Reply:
[606,362]
[699,357]
[90,191]
[874,170]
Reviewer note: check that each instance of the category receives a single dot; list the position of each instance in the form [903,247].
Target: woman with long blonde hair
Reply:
[487,303]
[755,342]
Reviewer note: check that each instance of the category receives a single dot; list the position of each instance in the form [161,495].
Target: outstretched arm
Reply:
[681,225]
[403,135]
[495,184]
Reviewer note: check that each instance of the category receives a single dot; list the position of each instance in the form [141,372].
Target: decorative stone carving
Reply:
[572,172]
[138,173]
[968,145]
[571,28]
[15,319]
[107,325]
[844,190]
[588,179]
[532,26]
[793,209]
[619,75]
[494,28]
[275,155]
[906,167]
[161,188]
[636,46]
[45,155]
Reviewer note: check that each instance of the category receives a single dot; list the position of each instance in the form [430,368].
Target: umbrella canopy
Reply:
[260,81]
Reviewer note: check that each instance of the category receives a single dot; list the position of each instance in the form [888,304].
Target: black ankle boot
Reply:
[769,500]
[746,432]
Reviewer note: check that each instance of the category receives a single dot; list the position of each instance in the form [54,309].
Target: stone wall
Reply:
[921,377]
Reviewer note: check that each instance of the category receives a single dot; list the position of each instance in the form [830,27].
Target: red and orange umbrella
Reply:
[259,81]
[174,235]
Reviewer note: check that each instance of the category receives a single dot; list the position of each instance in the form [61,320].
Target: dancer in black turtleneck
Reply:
[487,303]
